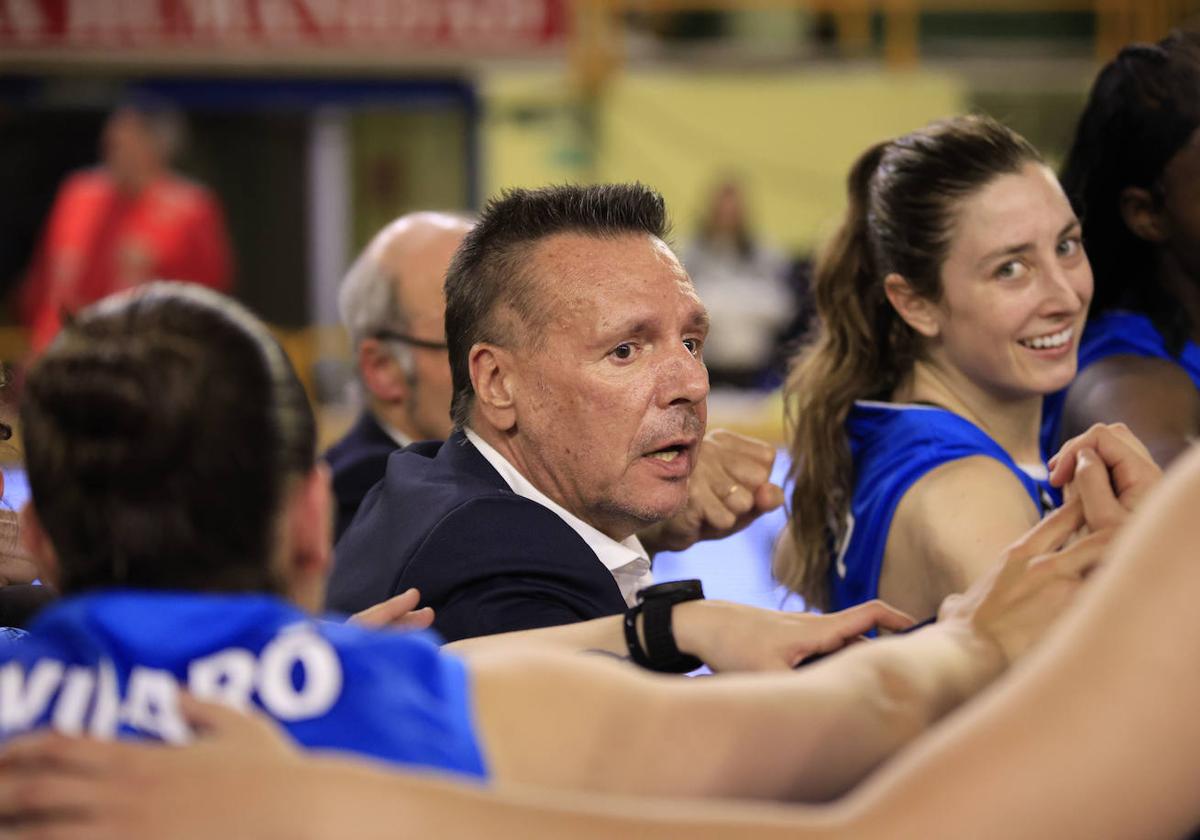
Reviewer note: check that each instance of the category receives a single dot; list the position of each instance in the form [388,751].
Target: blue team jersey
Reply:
[1116,333]
[893,446]
[110,664]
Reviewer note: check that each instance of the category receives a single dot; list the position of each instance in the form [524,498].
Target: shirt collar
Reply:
[613,554]
[402,440]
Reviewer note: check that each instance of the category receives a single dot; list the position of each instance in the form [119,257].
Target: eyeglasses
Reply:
[390,335]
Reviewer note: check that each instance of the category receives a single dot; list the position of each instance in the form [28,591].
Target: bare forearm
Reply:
[577,724]
[1096,735]
[351,798]
[813,735]
[600,634]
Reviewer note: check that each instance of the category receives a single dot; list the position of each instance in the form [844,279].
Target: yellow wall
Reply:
[404,161]
[791,136]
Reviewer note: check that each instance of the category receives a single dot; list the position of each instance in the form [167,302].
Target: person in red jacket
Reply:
[125,222]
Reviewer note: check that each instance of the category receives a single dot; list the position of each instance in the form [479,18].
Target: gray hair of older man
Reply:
[367,305]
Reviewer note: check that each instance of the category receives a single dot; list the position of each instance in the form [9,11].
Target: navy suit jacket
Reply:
[486,560]
[358,462]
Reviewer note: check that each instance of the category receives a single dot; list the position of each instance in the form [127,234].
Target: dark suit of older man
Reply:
[357,462]
[486,559]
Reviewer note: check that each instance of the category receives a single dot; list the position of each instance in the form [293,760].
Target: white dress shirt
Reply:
[402,440]
[626,560]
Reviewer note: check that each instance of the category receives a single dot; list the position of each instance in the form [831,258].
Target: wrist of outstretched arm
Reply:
[697,626]
[930,673]
[976,657]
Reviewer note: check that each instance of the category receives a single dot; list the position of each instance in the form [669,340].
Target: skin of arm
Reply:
[948,529]
[1096,735]
[1155,398]
[589,724]
[583,724]
[725,635]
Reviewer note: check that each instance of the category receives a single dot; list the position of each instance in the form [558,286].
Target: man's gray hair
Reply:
[368,304]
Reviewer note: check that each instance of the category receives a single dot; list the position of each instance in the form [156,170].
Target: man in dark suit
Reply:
[392,306]
[579,405]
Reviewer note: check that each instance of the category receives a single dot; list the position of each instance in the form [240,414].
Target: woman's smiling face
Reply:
[1015,287]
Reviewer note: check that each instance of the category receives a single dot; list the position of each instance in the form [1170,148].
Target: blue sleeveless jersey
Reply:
[111,664]
[892,446]
[1115,333]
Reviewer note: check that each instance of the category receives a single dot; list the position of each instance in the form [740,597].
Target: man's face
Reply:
[611,388]
[422,269]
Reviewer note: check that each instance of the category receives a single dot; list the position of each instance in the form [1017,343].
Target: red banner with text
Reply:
[499,25]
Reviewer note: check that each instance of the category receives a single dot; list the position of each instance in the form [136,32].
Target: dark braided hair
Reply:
[1143,108]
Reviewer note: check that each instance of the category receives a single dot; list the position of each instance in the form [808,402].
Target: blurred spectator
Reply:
[744,284]
[125,222]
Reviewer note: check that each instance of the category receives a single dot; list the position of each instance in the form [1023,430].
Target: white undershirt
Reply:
[626,560]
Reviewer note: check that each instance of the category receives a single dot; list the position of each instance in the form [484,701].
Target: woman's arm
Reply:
[1097,734]
[948,529]
[583,724]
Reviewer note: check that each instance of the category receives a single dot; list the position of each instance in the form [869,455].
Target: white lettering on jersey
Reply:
[152,705]
[226,677]
[298,676]
[321,674]
[105,716]
[73,700]
[24,699]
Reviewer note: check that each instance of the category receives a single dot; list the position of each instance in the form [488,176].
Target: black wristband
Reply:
[631,638]
[656,604]
[661,649]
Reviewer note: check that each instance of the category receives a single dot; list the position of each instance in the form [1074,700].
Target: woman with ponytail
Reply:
[950,303]
[1133,176]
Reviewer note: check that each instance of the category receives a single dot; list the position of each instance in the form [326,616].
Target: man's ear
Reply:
[37,542]
[1143,215]
[382,374]
[917,311]
[311,522]
[493,376]
[308,531]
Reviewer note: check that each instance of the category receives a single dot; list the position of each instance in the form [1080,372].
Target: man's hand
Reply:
[730,488]
[1012,606]
[52,785]
[1110,469]
[737,637]
[398,612]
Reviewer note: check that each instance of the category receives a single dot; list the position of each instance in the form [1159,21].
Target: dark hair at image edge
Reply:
[491,293]
[903,196]
[162,430]
[1143,108]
